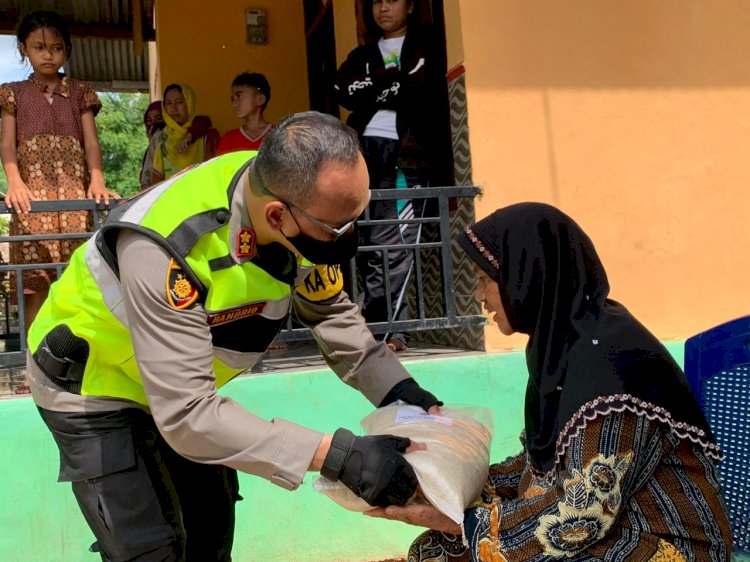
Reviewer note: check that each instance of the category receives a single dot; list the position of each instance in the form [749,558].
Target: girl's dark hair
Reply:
[44,18]
[172,86]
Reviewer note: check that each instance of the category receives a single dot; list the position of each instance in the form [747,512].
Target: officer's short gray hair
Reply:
[293,153]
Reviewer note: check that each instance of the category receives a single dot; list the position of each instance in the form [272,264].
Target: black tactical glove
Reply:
[372,467]
[409,391]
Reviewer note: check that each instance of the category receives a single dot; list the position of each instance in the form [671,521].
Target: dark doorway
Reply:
[431,17]
[321,55]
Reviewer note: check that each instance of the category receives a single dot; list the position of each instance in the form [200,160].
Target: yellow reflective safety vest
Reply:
[246,301]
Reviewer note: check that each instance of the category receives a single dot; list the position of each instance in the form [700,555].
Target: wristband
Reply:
[334,461]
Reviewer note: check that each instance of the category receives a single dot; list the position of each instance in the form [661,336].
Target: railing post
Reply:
[449,290]
[21,309]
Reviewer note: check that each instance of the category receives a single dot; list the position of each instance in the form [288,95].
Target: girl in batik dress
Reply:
[49,151]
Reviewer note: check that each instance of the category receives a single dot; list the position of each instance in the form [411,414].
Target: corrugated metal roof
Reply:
[104,50]
[109,64]
[109,18]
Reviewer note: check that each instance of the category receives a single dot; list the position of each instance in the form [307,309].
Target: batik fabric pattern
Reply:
[627,489]
[52,164]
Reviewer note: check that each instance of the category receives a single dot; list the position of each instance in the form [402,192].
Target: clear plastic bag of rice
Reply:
[452,469]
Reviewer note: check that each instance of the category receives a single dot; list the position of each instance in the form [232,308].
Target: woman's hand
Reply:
[19,196]
[97,191]
[416,446]
[182,147]
[421,515]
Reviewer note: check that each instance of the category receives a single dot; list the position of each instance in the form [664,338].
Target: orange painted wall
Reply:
[454,41]
[203,44]
[345,23]
[634,118]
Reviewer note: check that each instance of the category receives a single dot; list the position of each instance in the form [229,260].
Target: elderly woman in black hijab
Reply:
[617,460]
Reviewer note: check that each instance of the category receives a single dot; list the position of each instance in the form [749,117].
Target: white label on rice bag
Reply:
[408,415]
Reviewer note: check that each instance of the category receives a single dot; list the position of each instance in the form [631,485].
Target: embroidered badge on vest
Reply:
[246,243]
[180,291]
[322,283]
[233,314]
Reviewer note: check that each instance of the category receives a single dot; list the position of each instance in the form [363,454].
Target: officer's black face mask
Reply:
[337,251]
[341,249]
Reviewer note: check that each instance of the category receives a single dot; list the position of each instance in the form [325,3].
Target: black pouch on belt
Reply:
[62,357]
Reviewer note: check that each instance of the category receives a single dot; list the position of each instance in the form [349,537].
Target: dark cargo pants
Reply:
[143,501]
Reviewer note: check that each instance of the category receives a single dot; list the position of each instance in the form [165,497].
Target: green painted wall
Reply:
[40,521]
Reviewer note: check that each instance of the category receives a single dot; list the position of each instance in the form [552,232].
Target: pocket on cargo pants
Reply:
[112,460]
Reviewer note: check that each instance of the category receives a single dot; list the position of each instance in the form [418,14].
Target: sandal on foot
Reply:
[396,345]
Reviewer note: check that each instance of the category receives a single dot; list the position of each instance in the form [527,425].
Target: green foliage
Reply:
[123,140]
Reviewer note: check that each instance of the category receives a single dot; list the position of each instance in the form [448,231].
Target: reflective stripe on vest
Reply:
[188,215]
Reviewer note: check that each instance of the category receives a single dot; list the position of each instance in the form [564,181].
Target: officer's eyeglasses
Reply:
[336,232]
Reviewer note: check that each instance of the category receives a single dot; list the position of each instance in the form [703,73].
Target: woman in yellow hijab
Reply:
[185,139]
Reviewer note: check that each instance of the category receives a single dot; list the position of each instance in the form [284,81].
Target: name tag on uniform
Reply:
[217,318]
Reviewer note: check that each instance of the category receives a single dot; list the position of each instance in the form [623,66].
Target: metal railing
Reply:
[434,244]
[13,325]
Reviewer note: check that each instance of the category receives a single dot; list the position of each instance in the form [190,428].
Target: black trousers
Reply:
[381,155]
[143,501]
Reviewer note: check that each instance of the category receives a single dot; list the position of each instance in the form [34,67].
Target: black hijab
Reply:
[587,355]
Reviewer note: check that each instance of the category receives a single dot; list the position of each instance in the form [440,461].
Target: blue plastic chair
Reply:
[717,365]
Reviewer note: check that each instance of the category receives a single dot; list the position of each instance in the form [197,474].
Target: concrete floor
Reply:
[305,355]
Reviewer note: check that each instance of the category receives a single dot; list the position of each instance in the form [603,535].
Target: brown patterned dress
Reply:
[52,163]
[629,487]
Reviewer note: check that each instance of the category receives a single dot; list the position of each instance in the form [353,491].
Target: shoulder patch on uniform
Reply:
[180,291]
[322,283]
[246,243]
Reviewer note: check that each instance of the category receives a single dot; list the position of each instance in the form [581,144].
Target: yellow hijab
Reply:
[167,160]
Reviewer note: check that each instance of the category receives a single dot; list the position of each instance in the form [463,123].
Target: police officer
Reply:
[183,288]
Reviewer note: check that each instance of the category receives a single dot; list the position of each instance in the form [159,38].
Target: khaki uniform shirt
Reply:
[175,353]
